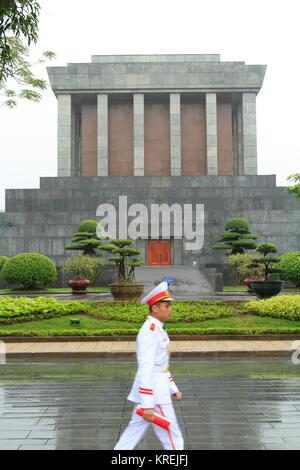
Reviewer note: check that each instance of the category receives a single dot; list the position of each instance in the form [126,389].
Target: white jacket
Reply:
[151,386]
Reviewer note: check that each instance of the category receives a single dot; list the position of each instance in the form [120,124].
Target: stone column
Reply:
[138,134]
[175,134]
[64,134]
[249,133]
[211,134]
[102,134]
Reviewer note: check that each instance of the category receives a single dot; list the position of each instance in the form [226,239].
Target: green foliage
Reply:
[295,189]
[3,260]
[31,270]
[181,312]
[24,84]
[284,307]
[266,261]
[13,310]
[237,237]
[88,225]
[85,238]
[17,18]
[83,267]
[238,225]
[290,265]
[241,262]
[115,332]
[123,254]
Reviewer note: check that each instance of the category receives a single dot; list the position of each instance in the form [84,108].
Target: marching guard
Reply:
[153,387]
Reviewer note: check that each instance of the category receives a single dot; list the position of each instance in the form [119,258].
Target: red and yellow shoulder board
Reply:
[152,326]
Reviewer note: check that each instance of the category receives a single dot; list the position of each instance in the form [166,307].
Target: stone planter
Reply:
[126,291]
[247,282]
[266,289]
[79,286]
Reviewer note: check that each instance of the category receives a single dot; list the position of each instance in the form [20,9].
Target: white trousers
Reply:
[171,439]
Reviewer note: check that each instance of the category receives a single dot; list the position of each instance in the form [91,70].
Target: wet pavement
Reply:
[229,403]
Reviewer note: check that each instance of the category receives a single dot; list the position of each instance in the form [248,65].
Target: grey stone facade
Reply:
[44,219]
[172,75]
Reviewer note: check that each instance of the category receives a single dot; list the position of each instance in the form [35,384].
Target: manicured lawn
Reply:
[54,289]
[63,323]
[229,288]
[245,322]
[289,290]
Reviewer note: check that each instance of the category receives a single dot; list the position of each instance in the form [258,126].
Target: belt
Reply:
[161,368]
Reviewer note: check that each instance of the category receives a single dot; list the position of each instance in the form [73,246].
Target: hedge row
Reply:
[285,307]
[13,310]
[171,331]
[181,311]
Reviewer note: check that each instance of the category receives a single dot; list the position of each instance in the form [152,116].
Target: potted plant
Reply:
[125,258]
[84,269]
[268,286]
[243,273]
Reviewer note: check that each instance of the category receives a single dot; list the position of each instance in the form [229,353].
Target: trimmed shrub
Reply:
[31,270]
[290,265]
[181,312]
[285,307]
[133,331]
[13,310]
[3,261]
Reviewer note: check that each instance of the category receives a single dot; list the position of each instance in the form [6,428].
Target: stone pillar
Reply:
[175,134]
[249,133]
[138,134]
[102,134]
[211,134]
[64,135]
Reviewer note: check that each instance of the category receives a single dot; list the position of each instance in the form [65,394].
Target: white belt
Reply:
[161,368]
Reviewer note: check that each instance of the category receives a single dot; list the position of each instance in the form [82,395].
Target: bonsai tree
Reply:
[237,237]
[83,267]
[125,259]
[266,261]
[295,189]
[86,238]
[290,265]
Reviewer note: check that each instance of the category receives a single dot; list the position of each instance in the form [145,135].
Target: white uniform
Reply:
[152,388]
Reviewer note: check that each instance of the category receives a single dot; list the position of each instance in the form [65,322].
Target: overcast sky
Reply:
[255,31]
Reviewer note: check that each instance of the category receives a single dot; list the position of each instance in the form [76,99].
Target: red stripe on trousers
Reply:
[169,432]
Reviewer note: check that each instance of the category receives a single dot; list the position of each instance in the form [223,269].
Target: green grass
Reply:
[239,288]
[63,323]
[91,324]
[55,289]
[288,290]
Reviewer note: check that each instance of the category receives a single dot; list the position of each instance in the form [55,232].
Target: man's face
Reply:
[162,310]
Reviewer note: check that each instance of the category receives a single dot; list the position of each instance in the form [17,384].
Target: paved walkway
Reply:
[227,404]
[105,297]
[178,348]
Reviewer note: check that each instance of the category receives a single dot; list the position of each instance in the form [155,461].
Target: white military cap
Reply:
[158,294]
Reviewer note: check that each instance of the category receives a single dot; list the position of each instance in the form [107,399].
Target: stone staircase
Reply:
[188,281]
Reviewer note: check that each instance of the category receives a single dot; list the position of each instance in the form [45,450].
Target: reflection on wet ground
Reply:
[229,403]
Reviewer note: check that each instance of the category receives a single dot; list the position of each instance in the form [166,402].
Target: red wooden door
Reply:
[159,252]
